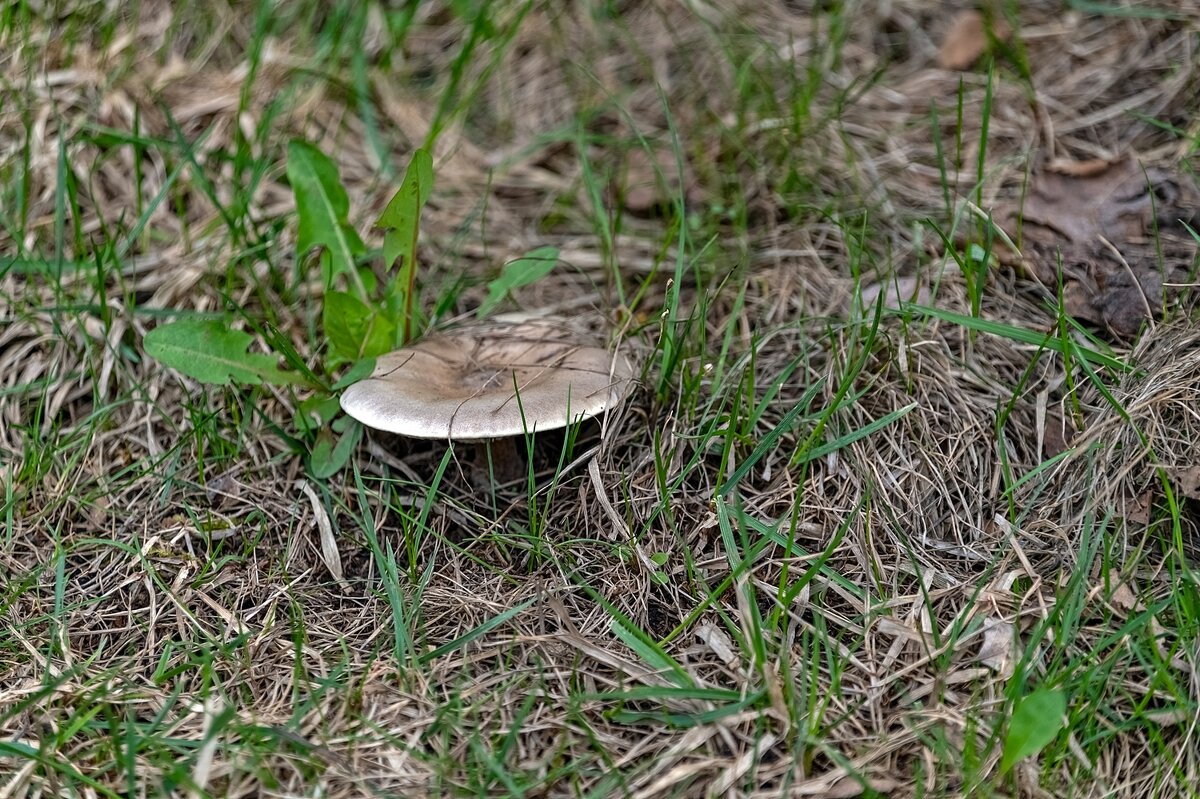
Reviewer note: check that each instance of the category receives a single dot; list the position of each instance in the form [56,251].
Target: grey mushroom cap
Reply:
[489,381]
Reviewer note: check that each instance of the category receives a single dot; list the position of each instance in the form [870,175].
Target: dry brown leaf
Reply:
[1091,224]
[1137,510]
[1079,301]
[1078,169]
[895,291]
[329,550]
[1187,480]
[1128,297]
[1122,597]
[651,181]
[716,640]
[1167,717]
[996,651]
[967,39]
[1058,434]
[837,785]
[1076,202]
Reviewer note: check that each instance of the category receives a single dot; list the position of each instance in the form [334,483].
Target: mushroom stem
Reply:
[503,458]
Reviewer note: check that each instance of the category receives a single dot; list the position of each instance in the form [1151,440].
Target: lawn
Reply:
[903,498]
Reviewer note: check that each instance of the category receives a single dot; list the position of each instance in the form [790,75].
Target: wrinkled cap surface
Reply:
[465,383]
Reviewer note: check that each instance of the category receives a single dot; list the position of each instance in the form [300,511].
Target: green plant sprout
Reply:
[360,319]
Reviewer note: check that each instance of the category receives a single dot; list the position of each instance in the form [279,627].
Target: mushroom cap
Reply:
[465,383]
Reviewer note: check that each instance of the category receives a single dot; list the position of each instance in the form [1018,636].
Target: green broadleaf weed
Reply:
[401,222]
[1036,721]
[322,206]
[527,269]
[209,351]
[354,329]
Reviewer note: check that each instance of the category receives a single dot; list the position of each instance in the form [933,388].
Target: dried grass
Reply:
[119,478]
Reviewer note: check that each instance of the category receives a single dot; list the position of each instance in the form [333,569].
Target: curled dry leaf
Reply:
[716,640]
[996,651]
[329,549]
[967,39]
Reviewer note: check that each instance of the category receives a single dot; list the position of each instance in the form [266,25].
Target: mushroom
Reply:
[488,383]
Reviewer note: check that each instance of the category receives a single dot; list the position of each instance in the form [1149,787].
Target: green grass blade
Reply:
[474,634]
[1012,332]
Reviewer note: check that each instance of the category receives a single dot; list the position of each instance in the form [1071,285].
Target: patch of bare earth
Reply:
[166,561]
